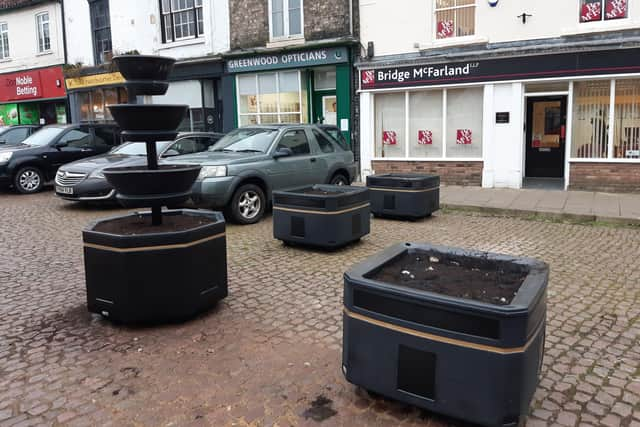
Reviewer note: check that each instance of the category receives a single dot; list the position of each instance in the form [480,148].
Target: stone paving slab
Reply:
[269,354]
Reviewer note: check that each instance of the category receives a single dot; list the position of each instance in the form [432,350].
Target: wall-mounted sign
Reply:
[289,59]
[389,137]
[32,84]
[504,69]
[463,136]
[425,137]
[502,117]
[94,80]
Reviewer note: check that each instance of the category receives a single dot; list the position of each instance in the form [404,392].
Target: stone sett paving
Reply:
[272,348]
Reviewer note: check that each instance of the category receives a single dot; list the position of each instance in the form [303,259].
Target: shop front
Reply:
[33,97]
[566,121]
[293,86]
[91,94]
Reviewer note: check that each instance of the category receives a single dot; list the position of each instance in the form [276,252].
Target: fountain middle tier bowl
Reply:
[148,117]
[138,181]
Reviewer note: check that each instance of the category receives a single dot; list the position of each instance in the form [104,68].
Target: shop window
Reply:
[599,10]
[626,130]
[93,105]
[181,19]
[464,122]
[455,18]
[324,79]
[285,18]
[591,101]
[270,98]
[42,25]
[390,125]
[101,29]
[425,124]
[4,40]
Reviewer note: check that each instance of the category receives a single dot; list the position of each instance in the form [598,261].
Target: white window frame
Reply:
[285,23]
[603,19]
[474,5]
[4,48]
[40,23]
[443,157]
[171,16]
[278,113]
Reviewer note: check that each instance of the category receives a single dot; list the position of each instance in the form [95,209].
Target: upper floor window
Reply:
[44,39]
[4,40]
[181,19]
[455,18]
[101,31]
[598,10]
[285,18]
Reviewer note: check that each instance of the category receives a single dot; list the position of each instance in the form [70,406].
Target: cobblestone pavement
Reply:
[270,353]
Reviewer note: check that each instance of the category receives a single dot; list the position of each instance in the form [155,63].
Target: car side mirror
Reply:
[61,144]
[170,153]
[282,152]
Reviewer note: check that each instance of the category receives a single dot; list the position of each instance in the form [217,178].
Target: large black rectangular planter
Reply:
[467,359]
[325,216]
[406,196]
[156,277]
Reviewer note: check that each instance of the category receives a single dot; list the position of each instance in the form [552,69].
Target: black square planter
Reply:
[404,196]
[324,216]
[156,277]
[464,358]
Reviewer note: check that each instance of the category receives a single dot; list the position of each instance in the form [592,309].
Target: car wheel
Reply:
[28,180]
[247,204]
[339,179]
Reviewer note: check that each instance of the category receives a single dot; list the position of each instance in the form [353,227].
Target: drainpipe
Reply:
[351,17]
[64,31]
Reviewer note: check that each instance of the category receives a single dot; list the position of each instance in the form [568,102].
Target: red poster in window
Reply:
[425,137]
[445,29]
[463,136]
[591,11]
[389,137]
[616,9]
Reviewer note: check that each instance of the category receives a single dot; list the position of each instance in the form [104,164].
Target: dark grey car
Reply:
[242,169]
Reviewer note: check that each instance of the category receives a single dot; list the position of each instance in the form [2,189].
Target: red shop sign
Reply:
[32,84]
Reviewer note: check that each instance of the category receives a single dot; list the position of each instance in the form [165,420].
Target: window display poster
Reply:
[445,29]
[389,137]
[425,137]
[463,137]
[29,114]
[9,114]
[591,10]
[61,114]
[616,9]
[547,125]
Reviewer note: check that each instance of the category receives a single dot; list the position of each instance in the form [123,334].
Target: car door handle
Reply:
[313,159]
[84,150]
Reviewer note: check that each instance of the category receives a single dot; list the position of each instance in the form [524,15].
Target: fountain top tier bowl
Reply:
[145,74]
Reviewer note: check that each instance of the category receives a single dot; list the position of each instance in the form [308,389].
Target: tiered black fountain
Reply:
[156,266]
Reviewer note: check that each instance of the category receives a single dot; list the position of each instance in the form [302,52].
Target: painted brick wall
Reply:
[451,173]
[324,19]
[608,177]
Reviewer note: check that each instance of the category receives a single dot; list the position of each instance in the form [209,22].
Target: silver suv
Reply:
[241,170]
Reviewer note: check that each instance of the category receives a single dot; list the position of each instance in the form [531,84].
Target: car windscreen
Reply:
[44,136]
[138,148]
[247,140]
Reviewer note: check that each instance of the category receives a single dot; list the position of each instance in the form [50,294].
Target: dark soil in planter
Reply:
[136,225]
[313,190]
[462,277]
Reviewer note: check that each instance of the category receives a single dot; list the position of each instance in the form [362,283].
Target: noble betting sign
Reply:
[19,86]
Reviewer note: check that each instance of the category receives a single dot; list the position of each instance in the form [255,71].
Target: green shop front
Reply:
[292,86]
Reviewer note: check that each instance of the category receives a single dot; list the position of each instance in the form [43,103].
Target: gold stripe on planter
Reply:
[153,248]
[424,190]
[438,338]
[355,208]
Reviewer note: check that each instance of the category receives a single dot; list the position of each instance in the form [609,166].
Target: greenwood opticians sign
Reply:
[291,59]
[516,68]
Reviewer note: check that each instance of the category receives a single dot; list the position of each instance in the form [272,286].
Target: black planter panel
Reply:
[472,360]
[159,277]
[404,195]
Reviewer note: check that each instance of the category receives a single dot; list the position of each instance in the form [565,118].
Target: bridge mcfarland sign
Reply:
[504,69]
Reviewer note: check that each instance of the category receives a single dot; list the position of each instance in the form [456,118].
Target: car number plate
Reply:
[64,190]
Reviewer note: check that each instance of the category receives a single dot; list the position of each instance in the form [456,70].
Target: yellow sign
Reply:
[94,80]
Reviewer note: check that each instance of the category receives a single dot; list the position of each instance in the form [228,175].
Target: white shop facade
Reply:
[566,120]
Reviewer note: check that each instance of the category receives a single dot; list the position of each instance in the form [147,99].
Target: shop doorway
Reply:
[545,139]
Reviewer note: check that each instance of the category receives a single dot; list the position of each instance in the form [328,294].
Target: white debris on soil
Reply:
[433,259]
[455,263]
[406,272]
[503,299]
[429,268]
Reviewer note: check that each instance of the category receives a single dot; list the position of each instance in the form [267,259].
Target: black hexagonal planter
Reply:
[404,196]
[323,216]
[418,328]
[155,275]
